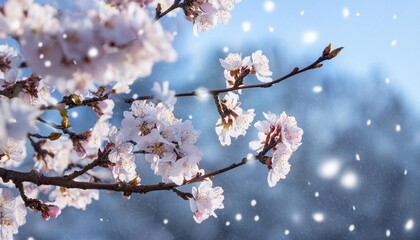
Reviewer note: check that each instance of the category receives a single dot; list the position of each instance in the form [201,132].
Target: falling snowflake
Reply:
[349,180]
[310,37]
[346,12]
[269,6]
[409,225]
[398,128]
[317,89]
[74,114]
[330,168]
[246,26]
[393,43]
[318,217]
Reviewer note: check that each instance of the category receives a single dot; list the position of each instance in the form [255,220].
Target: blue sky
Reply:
[378,36]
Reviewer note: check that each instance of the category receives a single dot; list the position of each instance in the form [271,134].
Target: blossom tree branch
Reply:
[314,65]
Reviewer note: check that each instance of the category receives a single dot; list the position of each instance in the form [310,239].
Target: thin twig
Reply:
[316,64]
[175,5]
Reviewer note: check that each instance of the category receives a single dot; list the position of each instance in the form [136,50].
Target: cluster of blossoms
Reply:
[234,121]
[206,14]
[169,144]
[17,119]
[282,132]
[236,68]
[93,44]
[12,214]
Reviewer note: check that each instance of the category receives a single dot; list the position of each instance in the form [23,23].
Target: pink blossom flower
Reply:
[51,211]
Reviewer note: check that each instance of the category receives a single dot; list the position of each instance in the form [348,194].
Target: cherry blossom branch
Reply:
[71,102]
[47,210]
[68,182]
[101,160]
[326,55]
[58,127]
[183,195]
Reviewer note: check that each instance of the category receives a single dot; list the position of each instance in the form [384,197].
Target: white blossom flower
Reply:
[206,200]
[73,197]
[283,128]
[287,137]
[95,138]
[207,14]
[12,214]
[120,149]
[139,122]
[280,166]
[260,66]
[15,16]
[234,67]
[12,153]
[163,94]
[17,119]
[105,109]
[60,153]
[125,171]
[233,61]
[122,157]
[9,64]
[38,94]
[180,166]
[236,122]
